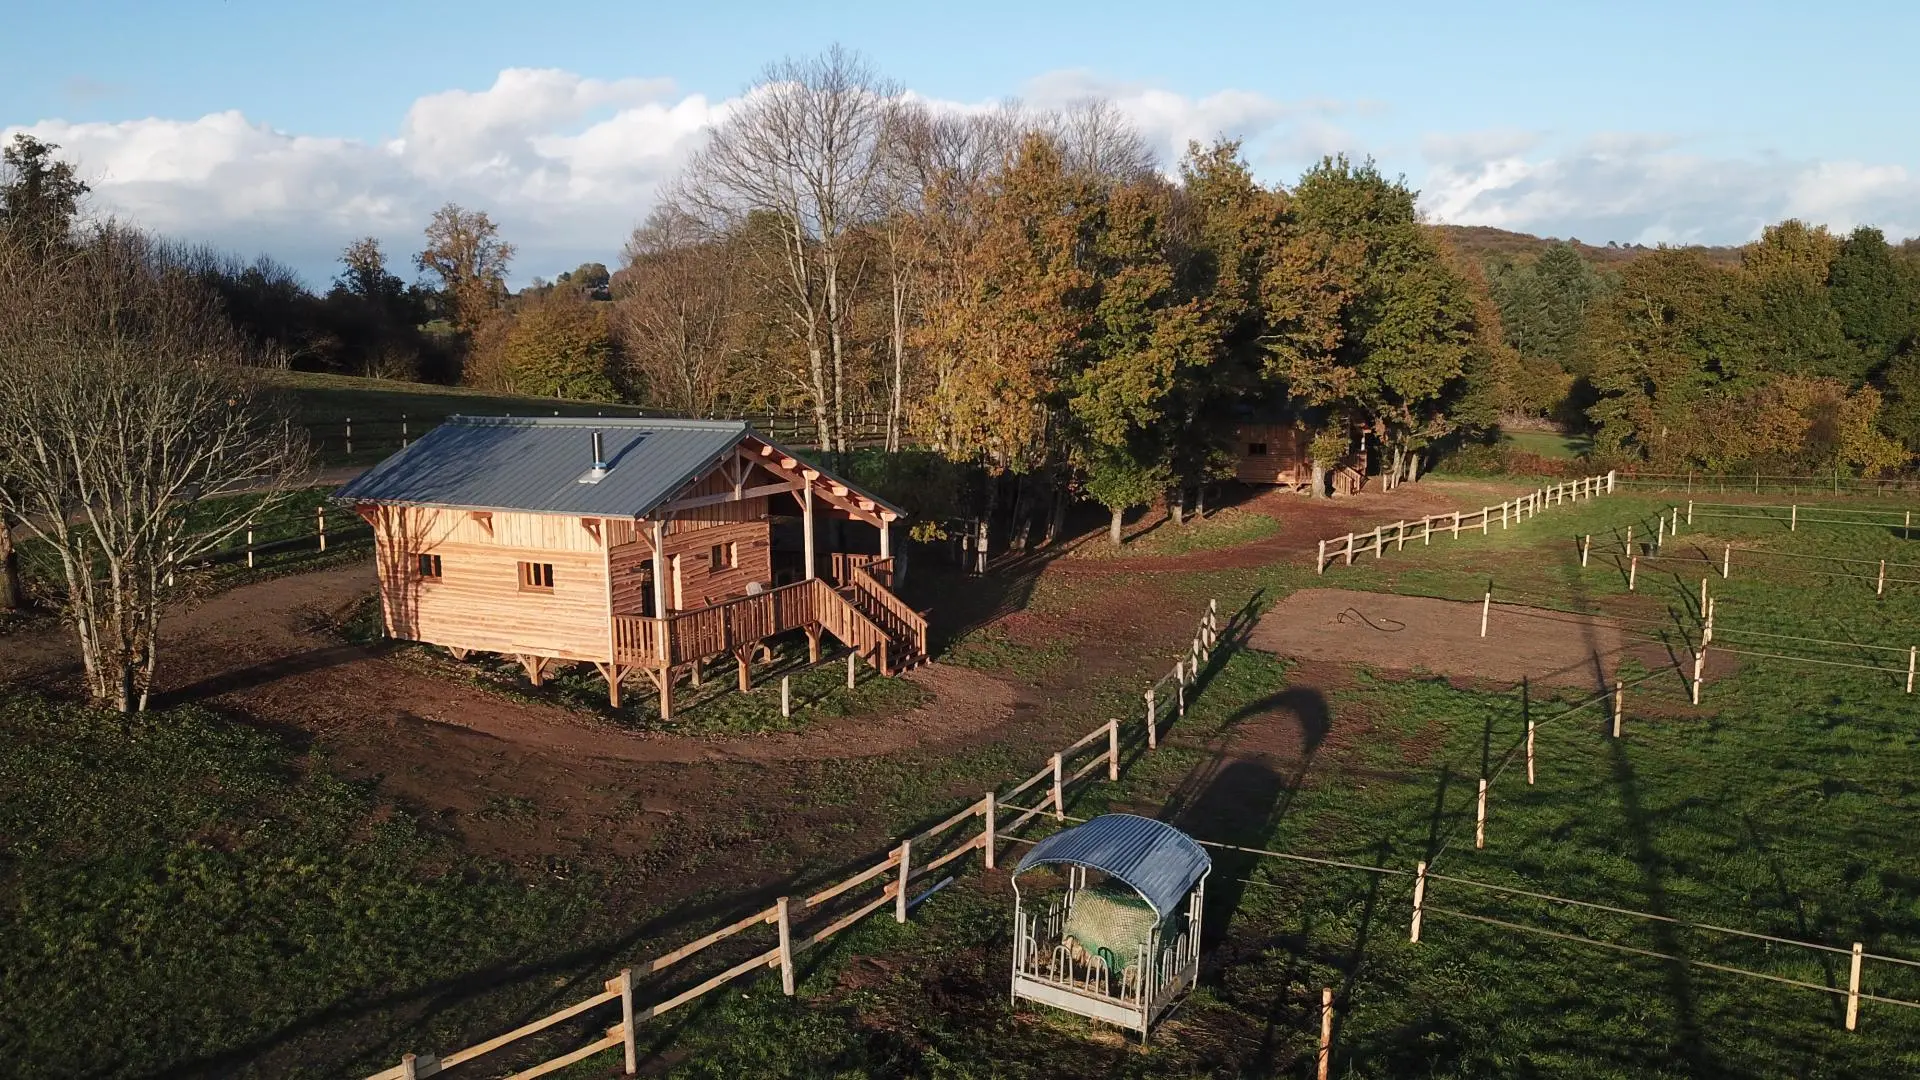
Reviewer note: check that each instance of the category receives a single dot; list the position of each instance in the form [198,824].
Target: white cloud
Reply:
[568,164]
[1647,188]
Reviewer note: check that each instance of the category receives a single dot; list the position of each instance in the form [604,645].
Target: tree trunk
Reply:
[1413,466]
[1200,501]
[1057,513]
[1177,505]
[1020,532]
[1114,523]
[1318,490]
[896,416]
[13,595]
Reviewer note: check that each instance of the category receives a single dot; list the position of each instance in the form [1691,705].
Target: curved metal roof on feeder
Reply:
[1158,861]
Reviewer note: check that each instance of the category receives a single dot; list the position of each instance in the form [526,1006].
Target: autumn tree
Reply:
[559,346]
[677,313]
[465,252]
[126,423]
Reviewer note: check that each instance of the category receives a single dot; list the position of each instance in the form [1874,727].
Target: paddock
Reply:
[1422,634]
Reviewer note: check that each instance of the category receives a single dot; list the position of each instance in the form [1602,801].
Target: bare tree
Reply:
[1096,140]
[803,149]
[675,306]
[126,419]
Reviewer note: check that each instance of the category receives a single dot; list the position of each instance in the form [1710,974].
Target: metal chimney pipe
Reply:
[599,458]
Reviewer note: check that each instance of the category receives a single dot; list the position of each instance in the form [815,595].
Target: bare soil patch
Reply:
[1419,634]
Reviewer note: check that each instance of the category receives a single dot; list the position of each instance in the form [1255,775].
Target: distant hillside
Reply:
[1486,242]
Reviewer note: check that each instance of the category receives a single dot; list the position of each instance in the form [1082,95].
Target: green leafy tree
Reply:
[465,252]
[39,195]
[560,347]
[1878,306]
[1797,325]
[1119,479]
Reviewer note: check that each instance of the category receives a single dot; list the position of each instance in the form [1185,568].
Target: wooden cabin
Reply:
[1276,453]
[636,545]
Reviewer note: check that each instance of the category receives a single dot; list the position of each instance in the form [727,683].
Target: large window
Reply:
[430,567]
[536,577]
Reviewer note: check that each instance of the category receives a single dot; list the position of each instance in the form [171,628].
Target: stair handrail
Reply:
[910,624]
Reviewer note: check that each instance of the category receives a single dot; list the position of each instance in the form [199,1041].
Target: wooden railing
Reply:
[895,616]
[844,563]
[1511,512]
[733,624]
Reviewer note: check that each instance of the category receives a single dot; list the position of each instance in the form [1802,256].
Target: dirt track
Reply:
[1412,633]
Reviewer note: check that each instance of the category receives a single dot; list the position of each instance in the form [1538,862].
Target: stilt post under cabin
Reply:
[813,642]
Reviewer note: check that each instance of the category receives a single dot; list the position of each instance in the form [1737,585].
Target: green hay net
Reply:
[1110,921]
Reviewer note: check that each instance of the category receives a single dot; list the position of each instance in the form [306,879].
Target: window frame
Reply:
[1256,449]
[536,577]
[428,567]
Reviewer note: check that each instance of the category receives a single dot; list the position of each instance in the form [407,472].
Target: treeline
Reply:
[1805,355]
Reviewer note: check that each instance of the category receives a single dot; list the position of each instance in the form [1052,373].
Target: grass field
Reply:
[1549,444]
[1783,804]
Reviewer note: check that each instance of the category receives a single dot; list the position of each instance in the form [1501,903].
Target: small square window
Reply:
[1257,449]
[717,558]
[430,566]
[536,577]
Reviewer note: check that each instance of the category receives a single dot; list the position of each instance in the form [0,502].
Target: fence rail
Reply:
[1761,483]
[1511,512]
[358,435]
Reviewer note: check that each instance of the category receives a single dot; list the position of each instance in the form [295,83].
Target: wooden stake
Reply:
[1059,797]
[1699,665]
[1419,901]
[1619,705]
[906,869]
[1529,749]
[1912,651]
[1726,563]
[408,1069]
[321,513]
[1113,749]
[786,943]
[1633,572]
[1456,524]
[1480,818]
[786,696]
[1320,564]
[1586,545]
[628,1033]
[1153,723]
[1881,588]
[850,661]
[1689,513]
[249,545]
[1486,608]
[1853,989]
[1326,1031]
[1703,597]
[1793,521]
[1179,689]
[990,840]
[1629,537]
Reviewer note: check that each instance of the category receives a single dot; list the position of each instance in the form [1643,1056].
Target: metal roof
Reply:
[535,464]
[1159,861]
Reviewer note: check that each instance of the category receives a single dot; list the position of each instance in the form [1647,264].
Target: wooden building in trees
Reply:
[1277,453]
[636,545]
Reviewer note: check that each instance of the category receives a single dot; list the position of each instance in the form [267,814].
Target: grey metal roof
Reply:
[535,463]
[1158,860]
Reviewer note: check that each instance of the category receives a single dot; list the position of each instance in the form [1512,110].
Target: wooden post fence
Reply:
[851,657]
[1586,545]
[786,940]
[786,696]
[320,514]
[1059,799]
[1480,817]
[987,838]
[1419,901]
[1619,704]
[1486,608]
[1113,749]
[1153,723]
[1529,749]
[906,870]
[1633,572]
[629,1036]
[1853,988]
[249,543]
[1326,1031]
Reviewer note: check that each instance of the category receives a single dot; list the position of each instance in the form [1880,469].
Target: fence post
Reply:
[628,1035]
[403,446]
[1153,723]
[1586,545]
[1703,597]
[906,868]
[1349,549]
[989,839]
[1881,588]
[1793,518]
[349,436]
[249,543]
[1426,531]
[1179,688]
[1379,543]
[1320,564]
[1629,536]
[1689,513]
[786,942]
[1059,796]
[786,696]
[1699,665]
[1400,536]
[321,512]
[1113,749]
[1419,901]
[851,657]
[1633,572]
[1912,651]
[1660,534]
[1610,474]
[1326,1031]
[1486,519]
[1529,750]
[408,1070]
[1456,524]
[1480,818]
[1853,989]
[1619,704]
[1486,607]
[1726,563]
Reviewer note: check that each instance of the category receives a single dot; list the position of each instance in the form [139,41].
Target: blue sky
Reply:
[279,127]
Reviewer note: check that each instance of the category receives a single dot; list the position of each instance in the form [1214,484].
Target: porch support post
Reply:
[806,517]
[746,672]
[886,539]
